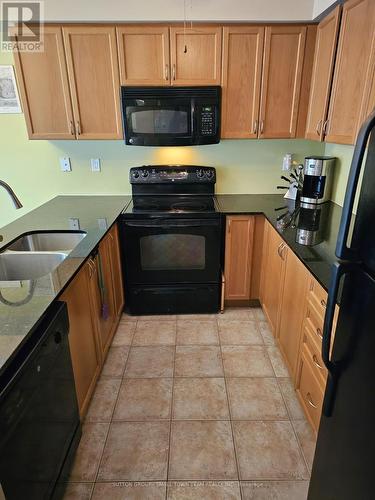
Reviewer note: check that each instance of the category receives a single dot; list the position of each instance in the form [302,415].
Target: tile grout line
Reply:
[113,410]
[230,413]
[171,413]
[294,431]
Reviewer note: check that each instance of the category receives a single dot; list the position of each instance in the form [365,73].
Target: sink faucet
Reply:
[12,194]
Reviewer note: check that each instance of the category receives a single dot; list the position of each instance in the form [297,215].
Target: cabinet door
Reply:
[44,89]
[273,276]
[143,55]
[196,55]
[85,354]
[281,80]
[242,70]
[94,81]
[351,70]
[107,313]
[238,256]
[324,58]
[293,303]
[118,290]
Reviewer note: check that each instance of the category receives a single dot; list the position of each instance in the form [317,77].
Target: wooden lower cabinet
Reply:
[83,342]
[115,256]
[95,301]
[293,302]
[273,276]
[238,256]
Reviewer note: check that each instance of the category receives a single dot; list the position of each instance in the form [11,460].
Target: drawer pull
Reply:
[324,303]
[309,400]
[315,359]
[319,333]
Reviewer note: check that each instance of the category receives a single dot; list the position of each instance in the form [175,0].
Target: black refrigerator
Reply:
[344,462]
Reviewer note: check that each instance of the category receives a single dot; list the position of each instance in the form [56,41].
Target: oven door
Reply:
[158,122]
[166,251]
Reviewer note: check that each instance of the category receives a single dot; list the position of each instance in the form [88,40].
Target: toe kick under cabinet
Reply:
[95,301]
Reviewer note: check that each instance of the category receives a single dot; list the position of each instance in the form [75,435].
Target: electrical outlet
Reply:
[65,165]
[103,224]
[95,164]
[74,223]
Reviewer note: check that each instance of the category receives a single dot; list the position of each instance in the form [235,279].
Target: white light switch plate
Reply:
[95,164]
[65,164]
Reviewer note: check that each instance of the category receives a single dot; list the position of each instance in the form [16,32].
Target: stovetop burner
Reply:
[188,206]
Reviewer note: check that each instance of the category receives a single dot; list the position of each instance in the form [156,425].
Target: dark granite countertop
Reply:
[319,257]
[96,215]
[18,322]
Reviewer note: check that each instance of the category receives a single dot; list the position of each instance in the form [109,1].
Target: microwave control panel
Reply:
[207,120]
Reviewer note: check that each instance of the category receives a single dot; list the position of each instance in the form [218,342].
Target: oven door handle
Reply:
[171,224]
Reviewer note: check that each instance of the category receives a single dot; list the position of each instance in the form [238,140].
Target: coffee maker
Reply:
[317,179]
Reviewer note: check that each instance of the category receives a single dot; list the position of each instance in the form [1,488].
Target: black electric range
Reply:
[171,240]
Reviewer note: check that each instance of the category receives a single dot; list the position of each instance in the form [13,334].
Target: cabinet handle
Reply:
[229,224]
[166,72]
[324,303]
[174,72]
[310,401]
[255,126]
[279,249]
[319,127]
[282,251]
[325,127]
[92,268]
[78,126]
[319,333]
[72,131]
[316,362]
[261,126]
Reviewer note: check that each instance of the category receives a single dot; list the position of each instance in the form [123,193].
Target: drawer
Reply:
[313,352]
[309,390]
[318,297]
[314,320]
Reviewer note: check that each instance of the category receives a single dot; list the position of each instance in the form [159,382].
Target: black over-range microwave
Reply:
[171,116]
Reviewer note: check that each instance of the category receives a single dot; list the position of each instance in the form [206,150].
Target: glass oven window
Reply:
[168,252]
[159,121]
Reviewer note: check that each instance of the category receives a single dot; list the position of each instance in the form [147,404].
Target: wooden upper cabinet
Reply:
[284,48]
[144,55]
[195,55]
[242,71]
[293,304]
[351,71]
[91,55]
[44,89]
[324,59]
[238,256]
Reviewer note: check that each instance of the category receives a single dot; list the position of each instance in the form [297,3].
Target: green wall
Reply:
[244,166]
[344,157]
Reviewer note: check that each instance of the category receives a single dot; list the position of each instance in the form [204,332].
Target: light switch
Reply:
[95,164]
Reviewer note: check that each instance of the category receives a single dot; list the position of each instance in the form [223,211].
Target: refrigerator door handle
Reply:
[338,270]
[342,250]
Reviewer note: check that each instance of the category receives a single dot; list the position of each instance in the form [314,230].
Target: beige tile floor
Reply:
[194,407]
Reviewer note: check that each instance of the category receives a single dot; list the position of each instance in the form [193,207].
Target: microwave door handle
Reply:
[193,119]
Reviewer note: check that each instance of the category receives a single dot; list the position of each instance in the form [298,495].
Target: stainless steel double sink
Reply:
[34,255]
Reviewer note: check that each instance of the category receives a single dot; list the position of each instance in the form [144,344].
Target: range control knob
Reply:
[145,173]
[136,174]
[200,173]
[209,174]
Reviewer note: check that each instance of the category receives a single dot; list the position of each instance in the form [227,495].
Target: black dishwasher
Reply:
[39,420]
